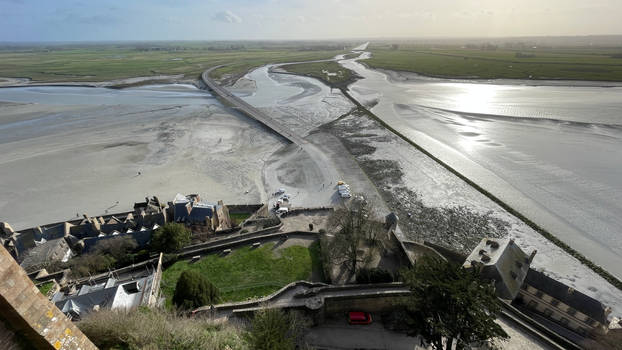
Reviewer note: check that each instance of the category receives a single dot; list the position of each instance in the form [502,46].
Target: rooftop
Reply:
[567,295]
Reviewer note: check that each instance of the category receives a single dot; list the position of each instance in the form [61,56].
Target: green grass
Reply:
[248,273]
[575,64]
[343,78]
[238,218]
[108,62]
[46,287]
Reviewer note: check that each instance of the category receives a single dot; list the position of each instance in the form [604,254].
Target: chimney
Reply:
[533,254]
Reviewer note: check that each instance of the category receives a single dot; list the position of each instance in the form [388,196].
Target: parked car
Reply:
[282,210]
[343,189]
[359,317]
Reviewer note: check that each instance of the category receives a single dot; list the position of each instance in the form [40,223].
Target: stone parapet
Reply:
[31,316]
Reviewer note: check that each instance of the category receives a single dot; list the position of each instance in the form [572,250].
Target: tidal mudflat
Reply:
[65,151]
[551,150]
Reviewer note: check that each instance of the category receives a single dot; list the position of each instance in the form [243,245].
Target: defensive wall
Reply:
[35,323]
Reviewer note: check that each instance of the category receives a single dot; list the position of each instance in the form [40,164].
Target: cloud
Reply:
[227,17]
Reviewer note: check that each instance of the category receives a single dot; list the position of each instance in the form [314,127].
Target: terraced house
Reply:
[564,305]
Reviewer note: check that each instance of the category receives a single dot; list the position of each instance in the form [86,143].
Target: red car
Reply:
[357,317]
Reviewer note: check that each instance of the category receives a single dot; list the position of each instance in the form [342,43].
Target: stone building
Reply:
[563,305]
[558,307]
[120,292]
[503,262]
[192,210]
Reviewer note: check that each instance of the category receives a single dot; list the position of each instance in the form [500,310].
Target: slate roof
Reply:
[84,303]
[108,295]
[573,298]
[48,251]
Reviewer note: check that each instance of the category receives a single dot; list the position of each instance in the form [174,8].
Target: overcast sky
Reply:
[64,20]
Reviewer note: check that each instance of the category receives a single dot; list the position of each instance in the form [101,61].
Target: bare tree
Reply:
[354,236]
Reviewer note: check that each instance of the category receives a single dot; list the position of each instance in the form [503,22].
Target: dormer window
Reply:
[131,288]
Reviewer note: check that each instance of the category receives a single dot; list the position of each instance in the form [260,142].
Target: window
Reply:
[554,302]
[539,294]
[581,331]
[532,304]
[592,322]
[548,312]
[564,321]
[572,311]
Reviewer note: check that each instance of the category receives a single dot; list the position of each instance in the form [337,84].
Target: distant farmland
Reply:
[567,64]
[109,62]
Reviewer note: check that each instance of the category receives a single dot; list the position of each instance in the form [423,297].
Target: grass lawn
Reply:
[317,70]
[247,272]
[576,64]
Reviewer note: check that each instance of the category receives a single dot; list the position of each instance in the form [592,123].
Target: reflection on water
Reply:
[552,152]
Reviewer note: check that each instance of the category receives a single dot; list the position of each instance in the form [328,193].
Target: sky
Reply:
[105,20]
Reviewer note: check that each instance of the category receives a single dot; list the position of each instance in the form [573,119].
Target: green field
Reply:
[108,62]
[317,70]
[247,272]
[571,64]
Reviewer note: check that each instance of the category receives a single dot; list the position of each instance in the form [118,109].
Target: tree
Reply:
[353,228]
[194,290]
[117,247]
[451,302]
[170,237]
[373,275]
[273,329]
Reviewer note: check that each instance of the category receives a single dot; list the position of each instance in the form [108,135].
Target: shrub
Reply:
[116,247]
[272,329]
[374,275]
[170,237]
[86,264]
[157,329]
[194,290]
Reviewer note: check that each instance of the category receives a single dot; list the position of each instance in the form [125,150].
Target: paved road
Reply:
[239,104]
[325,165]
[338,334]
[286,297]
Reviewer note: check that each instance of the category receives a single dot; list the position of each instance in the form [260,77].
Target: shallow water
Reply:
[282,89]
[552,152]
[77,95]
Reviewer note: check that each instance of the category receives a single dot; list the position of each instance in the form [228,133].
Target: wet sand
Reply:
[551,152]
[411,182]
[60,160]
